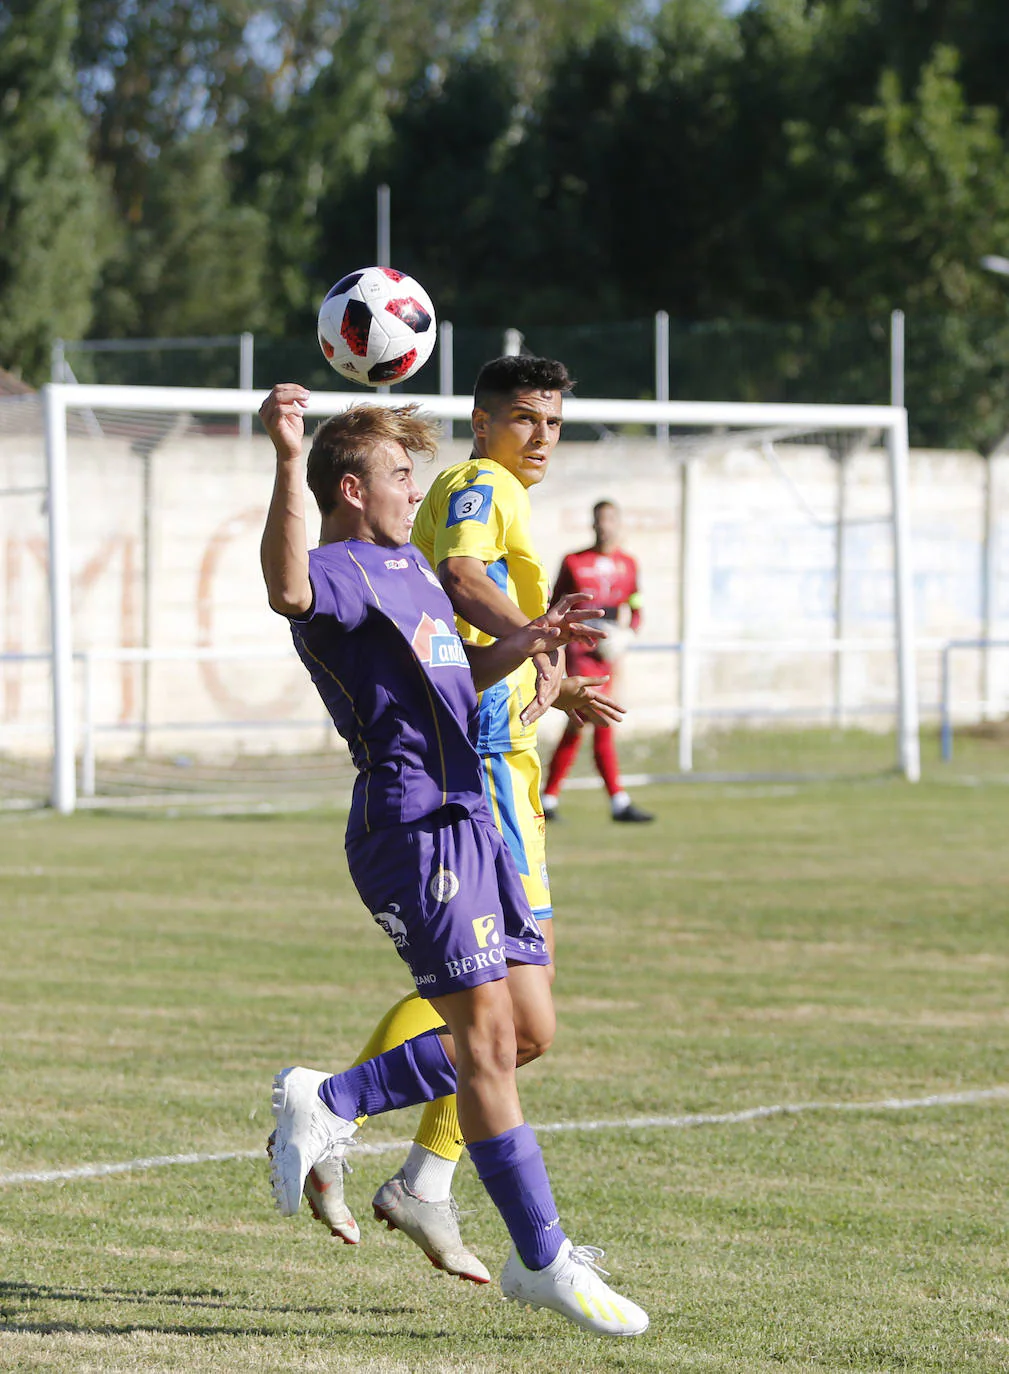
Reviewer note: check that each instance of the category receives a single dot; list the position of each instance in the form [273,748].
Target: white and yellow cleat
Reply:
[572,1285]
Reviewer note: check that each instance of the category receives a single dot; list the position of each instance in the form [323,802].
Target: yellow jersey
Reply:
[478,509]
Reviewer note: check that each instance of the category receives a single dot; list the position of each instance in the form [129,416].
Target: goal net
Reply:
[142,664]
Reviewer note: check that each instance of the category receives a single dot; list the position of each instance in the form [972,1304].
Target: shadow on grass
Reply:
[212,1299]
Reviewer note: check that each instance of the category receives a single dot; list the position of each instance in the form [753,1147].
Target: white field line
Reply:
[634,1123]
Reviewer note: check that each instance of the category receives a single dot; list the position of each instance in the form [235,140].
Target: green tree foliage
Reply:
[778,178]
[152,73]
[51,203]
[195,261]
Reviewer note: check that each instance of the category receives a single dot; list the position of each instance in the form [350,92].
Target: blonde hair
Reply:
[344,443]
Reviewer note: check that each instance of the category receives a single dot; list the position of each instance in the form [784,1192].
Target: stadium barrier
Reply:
[946,703]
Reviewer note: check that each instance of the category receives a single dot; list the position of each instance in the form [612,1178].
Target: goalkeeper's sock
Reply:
[604,751]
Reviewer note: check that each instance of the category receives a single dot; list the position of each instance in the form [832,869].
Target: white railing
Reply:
[688,709]
[89,729]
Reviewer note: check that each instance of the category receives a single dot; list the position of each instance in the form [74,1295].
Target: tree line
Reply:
[210,166]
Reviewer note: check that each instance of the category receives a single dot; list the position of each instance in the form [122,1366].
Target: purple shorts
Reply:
[447,892]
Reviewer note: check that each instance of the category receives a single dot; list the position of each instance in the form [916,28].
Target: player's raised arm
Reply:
[284,547]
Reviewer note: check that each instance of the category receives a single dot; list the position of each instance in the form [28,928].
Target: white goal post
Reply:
[60,400]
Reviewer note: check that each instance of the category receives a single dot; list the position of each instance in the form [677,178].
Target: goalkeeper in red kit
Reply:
[611,577]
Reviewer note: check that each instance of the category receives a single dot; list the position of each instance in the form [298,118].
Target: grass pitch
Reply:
[833,944]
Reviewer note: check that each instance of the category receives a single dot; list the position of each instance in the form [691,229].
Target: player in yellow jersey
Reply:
[474,529]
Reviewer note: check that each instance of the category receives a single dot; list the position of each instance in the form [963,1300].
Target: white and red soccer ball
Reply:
[377,326]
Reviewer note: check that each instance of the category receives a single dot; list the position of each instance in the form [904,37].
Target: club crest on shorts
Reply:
[393,925]
[485,930]
[444,885]
[437,645]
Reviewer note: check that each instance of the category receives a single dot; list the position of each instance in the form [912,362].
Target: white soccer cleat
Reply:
[572,1286]
[324,1195]
[434,1226]
[307,1134]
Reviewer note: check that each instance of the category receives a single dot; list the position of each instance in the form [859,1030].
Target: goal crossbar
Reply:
[733,414]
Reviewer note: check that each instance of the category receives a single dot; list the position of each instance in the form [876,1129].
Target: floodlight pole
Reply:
[908,745]
[63,793]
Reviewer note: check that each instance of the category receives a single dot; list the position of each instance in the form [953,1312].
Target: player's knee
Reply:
[529,1049]
[492,1049]
[534,1036]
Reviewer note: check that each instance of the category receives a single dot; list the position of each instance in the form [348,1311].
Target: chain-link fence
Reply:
[956,367]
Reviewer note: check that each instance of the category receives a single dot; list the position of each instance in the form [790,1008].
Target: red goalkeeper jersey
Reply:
[611,579]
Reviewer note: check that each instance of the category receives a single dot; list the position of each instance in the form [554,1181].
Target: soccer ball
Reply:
[377,326]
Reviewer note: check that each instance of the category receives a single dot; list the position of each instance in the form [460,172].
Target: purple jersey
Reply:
[381,646]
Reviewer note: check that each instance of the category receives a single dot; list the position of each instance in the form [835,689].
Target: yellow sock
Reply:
[412,1016]
[439,1126]
[439,1129]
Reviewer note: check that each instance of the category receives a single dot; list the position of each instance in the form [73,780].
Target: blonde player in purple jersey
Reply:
[373,627]
[474,529]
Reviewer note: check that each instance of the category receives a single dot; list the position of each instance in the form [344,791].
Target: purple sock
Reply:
[419,1070]
[510,1166]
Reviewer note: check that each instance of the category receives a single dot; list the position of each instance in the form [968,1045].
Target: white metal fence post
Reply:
[662,369]
[383,229]
[989,576]
[897,358]
[688,660]
[446,368]
[88,769]
[246,358]
[840,601]
[63,794]
[908,743]
[383,241]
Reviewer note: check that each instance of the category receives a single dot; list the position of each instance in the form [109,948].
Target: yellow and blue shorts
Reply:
[511,783]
